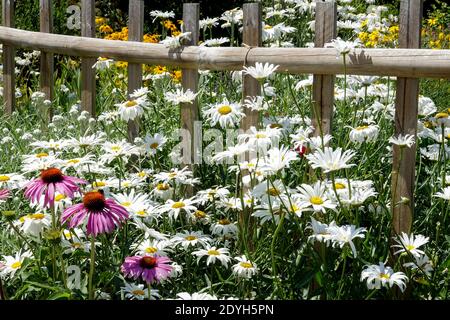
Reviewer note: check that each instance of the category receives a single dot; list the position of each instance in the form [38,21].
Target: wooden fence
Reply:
[407,63]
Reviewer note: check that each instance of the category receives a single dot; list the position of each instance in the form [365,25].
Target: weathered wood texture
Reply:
[252,37]
[88,86]
[189,111]
[135,33]
[47,64]
[413,63]
[406,108]
[323,85]
[9,78]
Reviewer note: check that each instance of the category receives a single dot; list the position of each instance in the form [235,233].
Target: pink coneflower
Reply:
[50,181]
[104,214]
[4,194]
[152,269]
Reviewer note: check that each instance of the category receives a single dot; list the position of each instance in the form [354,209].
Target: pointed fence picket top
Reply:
[9,77]
[88,87]
[251,37]
[323,85]
[47,64]
[189,111]
[135,33]
[406,109]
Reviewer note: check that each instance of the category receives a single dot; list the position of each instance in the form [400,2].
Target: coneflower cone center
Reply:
[52,175]
[148,262]
[94,201]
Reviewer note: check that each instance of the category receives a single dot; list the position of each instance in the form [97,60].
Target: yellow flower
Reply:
[151,38]
[176,75]
[432,21]
[100,20]
[105,29]
[121,64]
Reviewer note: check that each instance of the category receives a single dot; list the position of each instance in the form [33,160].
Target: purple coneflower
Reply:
[152,269]
[104,214]
[4,193]
[50,181]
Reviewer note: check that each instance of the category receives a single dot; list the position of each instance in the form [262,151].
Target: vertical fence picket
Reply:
[189,112]
[9,78]
[406,109]
[88,89]
[323,85]
[47,65]
[135,33]
[252,37]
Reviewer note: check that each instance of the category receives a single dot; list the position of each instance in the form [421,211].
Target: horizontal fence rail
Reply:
[411,63]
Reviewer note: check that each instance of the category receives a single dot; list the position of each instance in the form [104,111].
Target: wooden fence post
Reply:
[190,112]
[47,65]
[323,85]
[88,88]
[406,109]
[135,33]
[9,77]
[252,36]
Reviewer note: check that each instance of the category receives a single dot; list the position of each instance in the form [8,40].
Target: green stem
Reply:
[92,268]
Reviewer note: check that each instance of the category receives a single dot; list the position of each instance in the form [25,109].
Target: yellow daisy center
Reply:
[141,213]
[224,222]
[99,184]
[191,238]
[268,27]
[384,276]
[115,148]
[130,103]
[76,245]
[339,185]
[73,161]
[246,265]
[4,178]
[162,187]
[178,205]
[126,203]
[410,247]
[199,214]
[360,128]
[41,155]
[441,115]
[151,250]
[37,216]
[138,292]
[59,197]
[16,265]
[260,136]
[213,253]
[273,192]
[316,200]
[224,110]
[154,145]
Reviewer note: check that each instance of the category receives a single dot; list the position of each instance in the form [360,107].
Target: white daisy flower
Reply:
[365,133]
[345,234]
[445,194]
[330,160]
[378,276]
[403,140]
[225,113]
[154,143]
[410,243]
[224,227]
[315,196]
[12,264]
[260,71]
[132,109]
[193,238]
[195,296]
[213,254]
[180,96]
[138,292]
[244,268]
[173,208]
